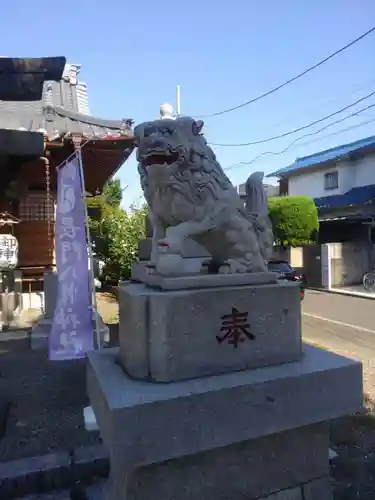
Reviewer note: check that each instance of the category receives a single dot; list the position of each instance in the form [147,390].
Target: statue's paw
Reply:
[224,269]
[170,245]
[211,267]
[236,267]
[232,267]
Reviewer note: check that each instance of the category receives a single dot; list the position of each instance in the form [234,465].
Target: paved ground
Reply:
[344,324]
[46,398]
[354,311]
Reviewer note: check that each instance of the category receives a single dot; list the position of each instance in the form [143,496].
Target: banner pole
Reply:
[94,305]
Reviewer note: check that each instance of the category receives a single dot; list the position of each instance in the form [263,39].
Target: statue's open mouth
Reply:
[160,159]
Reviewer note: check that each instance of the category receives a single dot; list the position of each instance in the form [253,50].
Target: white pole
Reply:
[89,245]
[178,100]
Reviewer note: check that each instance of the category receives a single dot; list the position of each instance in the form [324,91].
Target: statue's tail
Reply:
[257,206]
[256,198]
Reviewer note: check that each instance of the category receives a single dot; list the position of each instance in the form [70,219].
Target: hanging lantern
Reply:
[8,252]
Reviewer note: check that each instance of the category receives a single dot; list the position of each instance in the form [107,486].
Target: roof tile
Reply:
[57,115]
[324,156]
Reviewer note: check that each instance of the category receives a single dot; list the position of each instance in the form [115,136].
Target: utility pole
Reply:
[178,100]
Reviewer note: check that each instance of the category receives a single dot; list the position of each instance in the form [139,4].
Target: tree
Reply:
[115,233]
[121,232]
[113,192]
[294,220]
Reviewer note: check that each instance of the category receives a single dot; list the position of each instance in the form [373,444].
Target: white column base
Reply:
[90,419]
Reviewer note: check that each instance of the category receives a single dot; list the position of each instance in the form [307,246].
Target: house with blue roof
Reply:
[341,181]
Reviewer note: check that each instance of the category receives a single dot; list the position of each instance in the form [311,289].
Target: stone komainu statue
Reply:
[189,196]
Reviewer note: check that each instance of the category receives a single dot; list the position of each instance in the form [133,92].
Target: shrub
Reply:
[115,233]
[294,220]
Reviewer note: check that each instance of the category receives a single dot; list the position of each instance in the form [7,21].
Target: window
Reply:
[331,180]
[34,207]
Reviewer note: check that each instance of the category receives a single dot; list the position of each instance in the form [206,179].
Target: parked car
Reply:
[286,272]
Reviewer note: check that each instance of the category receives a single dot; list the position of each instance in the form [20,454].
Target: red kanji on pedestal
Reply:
[235,328]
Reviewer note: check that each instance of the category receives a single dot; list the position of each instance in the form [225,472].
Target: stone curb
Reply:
[339,292]
[55,471]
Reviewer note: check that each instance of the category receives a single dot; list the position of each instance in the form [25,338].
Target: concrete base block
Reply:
[144,249]
[183,441]
[103,329]
[90,419]
[40,333]
[50,285]
[181,334]
[256,469]
[139,271]
[320,489]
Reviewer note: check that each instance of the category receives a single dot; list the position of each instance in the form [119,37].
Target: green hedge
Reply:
[294,220]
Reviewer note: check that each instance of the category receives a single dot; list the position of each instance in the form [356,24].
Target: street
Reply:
[342,318]
[343,324]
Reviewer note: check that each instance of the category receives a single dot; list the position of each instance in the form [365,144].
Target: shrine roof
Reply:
[57,115]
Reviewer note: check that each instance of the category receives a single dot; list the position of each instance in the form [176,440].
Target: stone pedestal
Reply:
[212,394]
[249,434]
[178,334]
[40,332]
[10,298]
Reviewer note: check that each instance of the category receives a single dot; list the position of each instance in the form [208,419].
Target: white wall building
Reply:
[334,179]
[340,176]
[341,181]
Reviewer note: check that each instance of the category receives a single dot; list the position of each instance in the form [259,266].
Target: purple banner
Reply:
[72,328]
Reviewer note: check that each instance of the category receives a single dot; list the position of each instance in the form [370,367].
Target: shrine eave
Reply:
[61,121]
[58,123]
[22,79]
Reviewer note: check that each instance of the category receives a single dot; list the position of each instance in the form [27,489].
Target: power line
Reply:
[325,104]
[274,153]
[278,153]
[291,80]
[332,134]
[369,84]
[294,131]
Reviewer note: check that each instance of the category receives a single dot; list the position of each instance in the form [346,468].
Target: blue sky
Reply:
[133,54]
